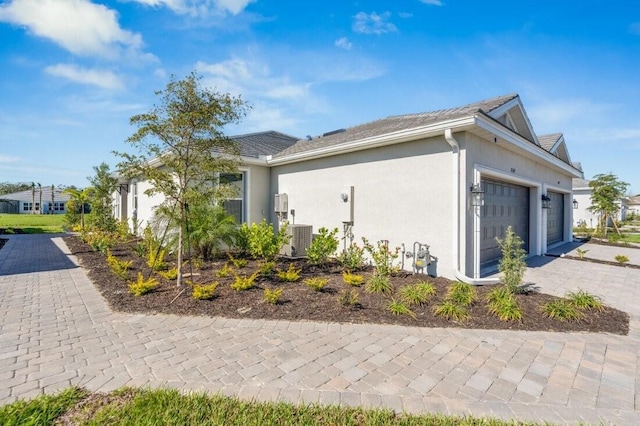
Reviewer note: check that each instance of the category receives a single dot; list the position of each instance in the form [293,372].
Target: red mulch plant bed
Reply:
[300,303]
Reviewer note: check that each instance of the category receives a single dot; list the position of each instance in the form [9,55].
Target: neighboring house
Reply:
[253,180]
[582,202]
[410,180]
[20,202]
[633,206]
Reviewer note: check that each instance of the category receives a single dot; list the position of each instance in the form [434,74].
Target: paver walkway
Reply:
[57,331]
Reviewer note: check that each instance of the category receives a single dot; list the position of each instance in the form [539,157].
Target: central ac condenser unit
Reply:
[299,241]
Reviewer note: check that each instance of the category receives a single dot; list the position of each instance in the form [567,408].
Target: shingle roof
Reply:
[46,195]
[579,183]
[263,143]
[396,123]
[548,141]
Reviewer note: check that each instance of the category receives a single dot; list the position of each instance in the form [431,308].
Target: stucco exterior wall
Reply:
[583,197]
[259,196]
[402,193]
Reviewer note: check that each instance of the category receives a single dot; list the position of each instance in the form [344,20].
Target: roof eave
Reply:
[435,129]
[490,125]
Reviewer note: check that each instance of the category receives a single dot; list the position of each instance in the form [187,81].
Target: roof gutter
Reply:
[456,191]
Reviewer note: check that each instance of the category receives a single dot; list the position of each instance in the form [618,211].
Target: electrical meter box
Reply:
[281,203]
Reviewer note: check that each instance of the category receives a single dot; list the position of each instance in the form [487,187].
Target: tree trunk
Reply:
[180,249]
[51,209]
[40,208]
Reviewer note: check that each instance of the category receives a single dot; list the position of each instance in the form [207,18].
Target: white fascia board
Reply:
[515,102]
[415,133]
[253,161]
[523,144]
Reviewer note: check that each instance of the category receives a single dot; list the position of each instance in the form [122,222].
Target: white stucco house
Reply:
[412,179]
[28,202]
[582,201]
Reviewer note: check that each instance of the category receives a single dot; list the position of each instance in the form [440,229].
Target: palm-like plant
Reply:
[210,226]
[40,191]
[80,197]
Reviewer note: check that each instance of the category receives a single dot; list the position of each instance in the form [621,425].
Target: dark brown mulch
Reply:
[299,302]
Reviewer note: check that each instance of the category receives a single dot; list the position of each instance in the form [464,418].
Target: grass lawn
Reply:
[170,407]
[32,223]
[630,238]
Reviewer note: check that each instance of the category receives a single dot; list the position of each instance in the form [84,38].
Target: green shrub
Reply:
[225,271]
[243,282]
[119,267]
[583,300]
[383,258]
[170,274]
[349,298]
[512,264]
[379,284]
[142,286]
[316,283]
[621,258]
[417,294]
[267,269]
[581,253]
[155,259]
[562,310]
[462,293]
[263,242]
[505,306]
[323,246]
[290,275]
[353,258]
[204,291]
[399,308]
[100,240]
[237,263]
[272,296]
[352,279]
[451,310]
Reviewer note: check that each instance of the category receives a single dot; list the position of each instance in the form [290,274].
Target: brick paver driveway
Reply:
[57,331]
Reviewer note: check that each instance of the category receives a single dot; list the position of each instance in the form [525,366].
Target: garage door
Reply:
[505,205]
[555,218]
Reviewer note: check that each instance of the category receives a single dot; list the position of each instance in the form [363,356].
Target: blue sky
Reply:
[75,71]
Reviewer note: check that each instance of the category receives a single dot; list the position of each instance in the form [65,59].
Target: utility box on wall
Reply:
[300,241]
[281,203]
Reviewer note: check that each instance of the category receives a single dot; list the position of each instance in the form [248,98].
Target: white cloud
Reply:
[373,23]
[79,26]
[432,2]
[200,7]
[343,43]
[101,78]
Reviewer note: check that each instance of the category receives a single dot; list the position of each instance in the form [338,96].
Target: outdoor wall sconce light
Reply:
[477,195]
[546,201]
[575,203]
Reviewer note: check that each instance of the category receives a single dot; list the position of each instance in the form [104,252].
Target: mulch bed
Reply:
[299,302]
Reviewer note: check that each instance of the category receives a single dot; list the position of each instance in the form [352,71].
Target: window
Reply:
[27,207]
[59,207]
[236,204]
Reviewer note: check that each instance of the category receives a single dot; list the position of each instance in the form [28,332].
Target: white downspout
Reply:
[455,148]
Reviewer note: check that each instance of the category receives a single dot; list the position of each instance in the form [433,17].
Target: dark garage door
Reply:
[505,205]
[555,218]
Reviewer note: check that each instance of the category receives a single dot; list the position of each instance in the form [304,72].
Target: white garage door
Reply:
[555,218]
[505,204]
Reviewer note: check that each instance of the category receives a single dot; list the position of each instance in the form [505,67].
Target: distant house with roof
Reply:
[28,202]
[449,181]
[582,202]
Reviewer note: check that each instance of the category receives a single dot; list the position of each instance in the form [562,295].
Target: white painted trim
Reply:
[522,143]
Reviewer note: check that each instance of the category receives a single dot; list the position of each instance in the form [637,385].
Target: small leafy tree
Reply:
[182,147]
[103,186]
[512,264]
[606,192]
[79,198]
